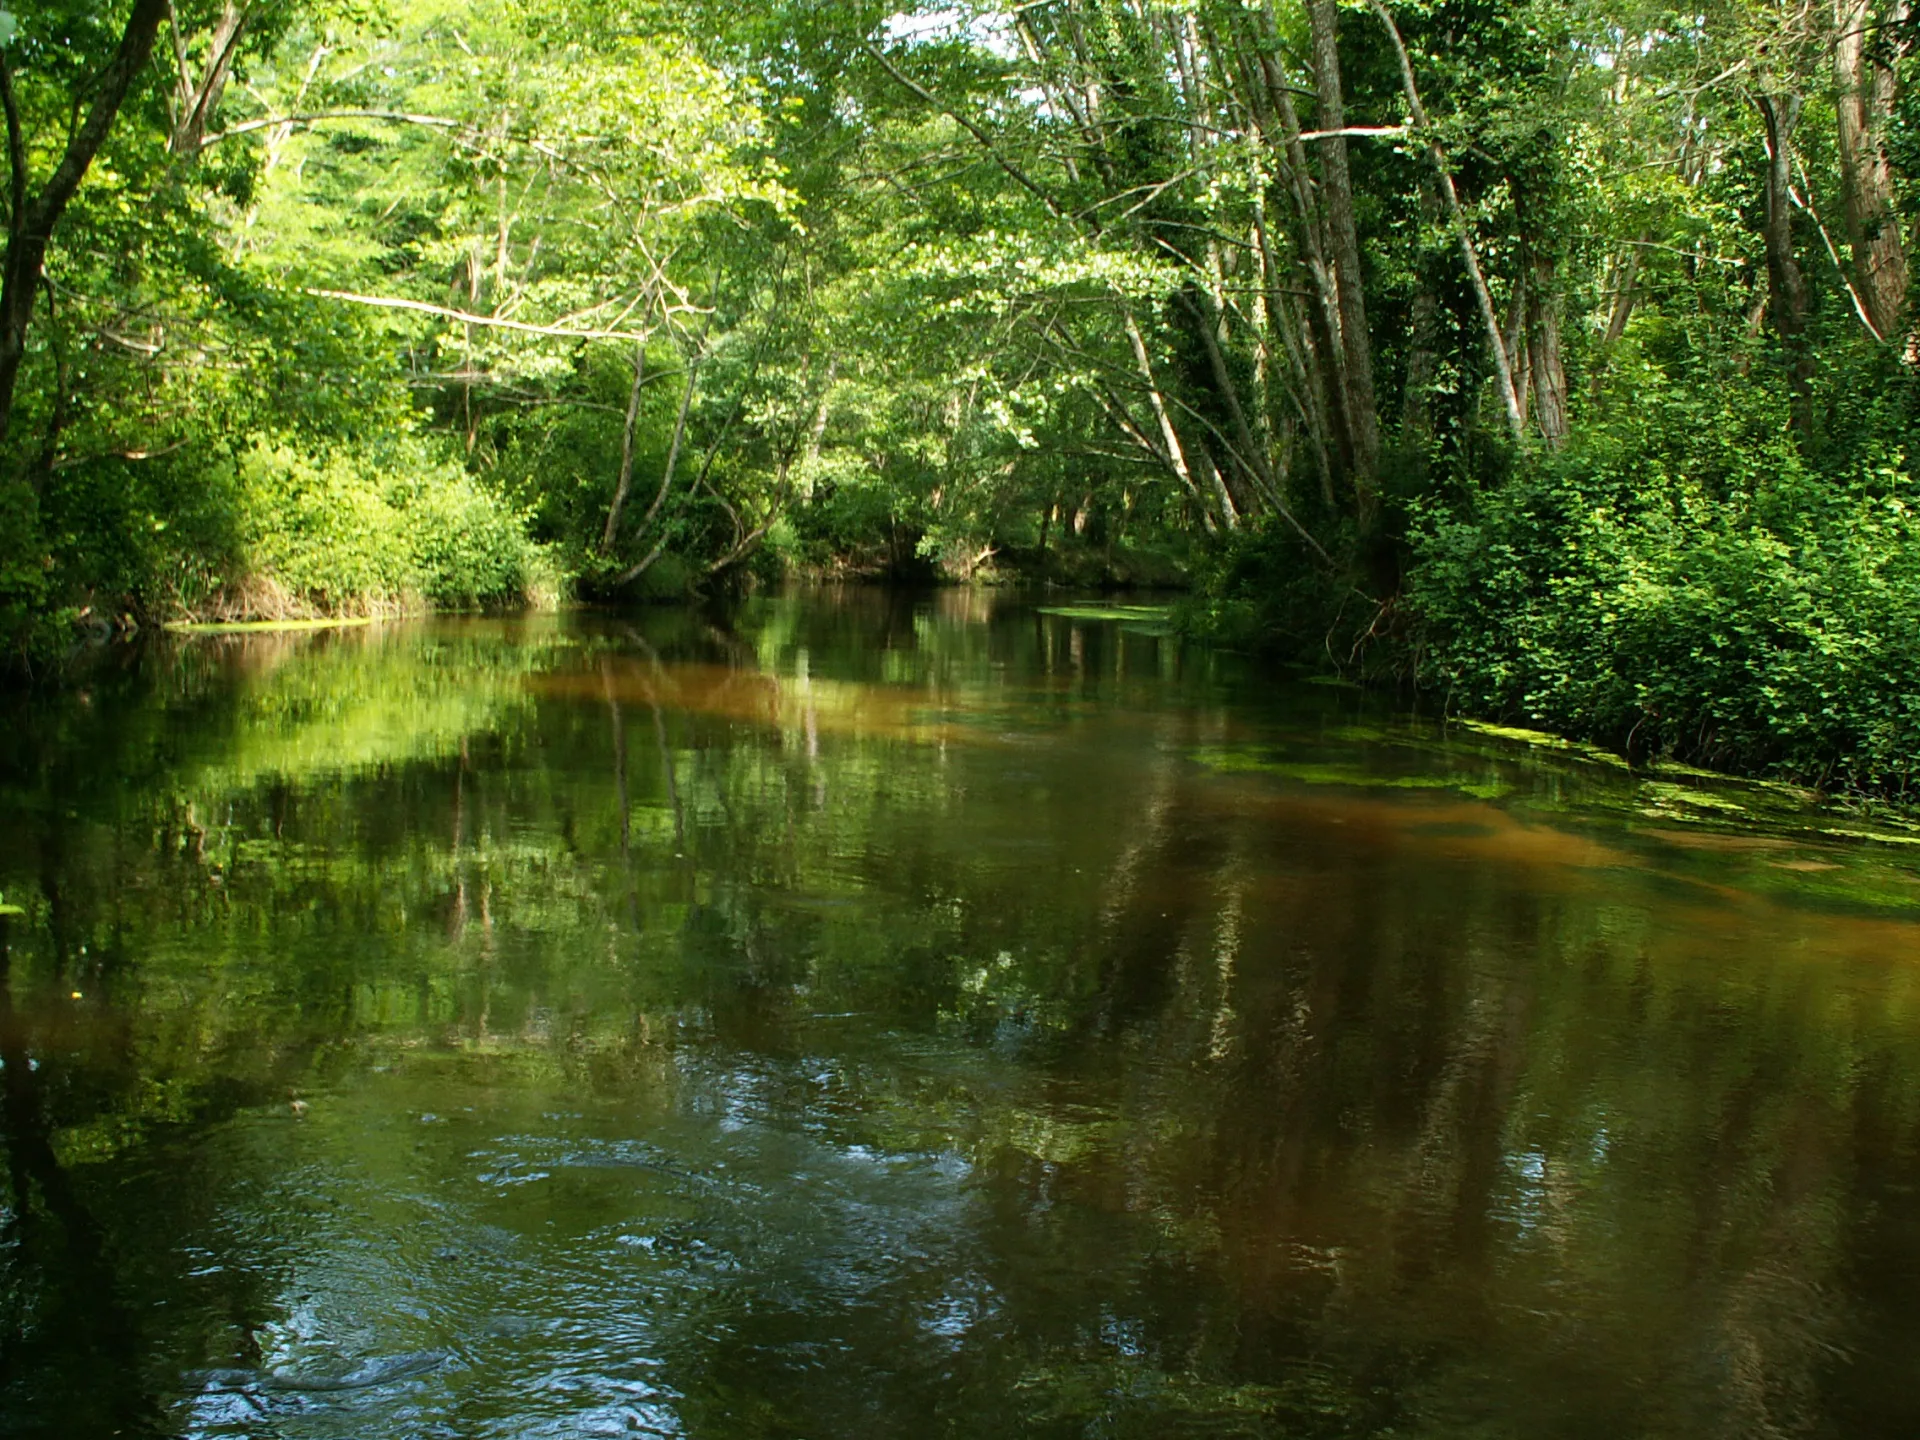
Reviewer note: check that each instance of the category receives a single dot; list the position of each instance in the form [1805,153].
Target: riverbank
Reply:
[1700,590]
[1254,596]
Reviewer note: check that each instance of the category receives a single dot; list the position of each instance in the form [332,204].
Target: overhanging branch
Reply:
[465,317]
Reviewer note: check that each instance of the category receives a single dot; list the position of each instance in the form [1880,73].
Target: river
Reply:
[876,1015]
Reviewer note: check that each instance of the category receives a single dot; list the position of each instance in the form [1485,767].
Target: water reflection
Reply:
[876,1015]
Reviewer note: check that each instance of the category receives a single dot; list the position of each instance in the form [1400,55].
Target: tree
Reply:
[32,215]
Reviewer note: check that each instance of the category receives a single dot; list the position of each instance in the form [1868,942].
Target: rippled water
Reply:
[877,1016]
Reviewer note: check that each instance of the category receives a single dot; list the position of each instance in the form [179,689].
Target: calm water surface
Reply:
[875,1016]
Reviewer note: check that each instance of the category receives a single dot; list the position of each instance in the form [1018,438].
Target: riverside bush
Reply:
[282,529]
[1691,587]
[351,531]
[316,527]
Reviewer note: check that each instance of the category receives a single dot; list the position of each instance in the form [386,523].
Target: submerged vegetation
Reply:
[1554,354]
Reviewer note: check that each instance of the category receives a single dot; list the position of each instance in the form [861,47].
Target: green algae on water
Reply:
[1666,797]
[1146,619]
[1877,837]
[1240,762]
[1541,740]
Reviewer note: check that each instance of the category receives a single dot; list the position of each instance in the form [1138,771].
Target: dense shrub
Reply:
[381,530]
[281,529]
[316,526]
[23,578]
[1259,588]
[466,547]
[1689,584]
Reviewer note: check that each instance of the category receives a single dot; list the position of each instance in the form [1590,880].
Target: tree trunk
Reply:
[194,101]
[802,456]
[1866,92]
[1252,454]
[1174,451]
[1516,341]
[635,571]
[624,484]
[1786,287]
[1626,275]
[1216,485]
[32,221]
[62,397]
[1423,364]
[1543,350]
[1336,187]
[1319,339]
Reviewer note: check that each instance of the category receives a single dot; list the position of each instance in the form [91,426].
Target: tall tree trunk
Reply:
[1336,185]
[816,433]
[1319,339]
[1786,287]
[1626,275]
[645,563]
[1544,356]
[1252,454]
[31,221]
[1423,364]
[1423,359]
[1515,336]
[1202,460]
[1866,89]
[62,396]
[1173,450]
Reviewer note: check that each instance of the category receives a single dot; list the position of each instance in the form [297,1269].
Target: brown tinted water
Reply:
[873,1016]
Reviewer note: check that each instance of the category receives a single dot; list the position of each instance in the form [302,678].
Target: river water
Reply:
[869,1015]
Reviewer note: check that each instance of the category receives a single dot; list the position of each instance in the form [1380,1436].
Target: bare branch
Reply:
[397,117]
[464,317]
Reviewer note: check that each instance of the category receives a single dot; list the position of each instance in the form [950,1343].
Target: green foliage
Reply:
[350,531]
[1260,588]
[979,291]
[467,548]
[287,527]
[318,528]
[1689,584]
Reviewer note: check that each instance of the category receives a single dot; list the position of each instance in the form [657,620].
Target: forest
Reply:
[1553,357]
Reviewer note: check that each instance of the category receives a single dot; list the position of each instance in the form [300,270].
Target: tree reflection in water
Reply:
[878,1014]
